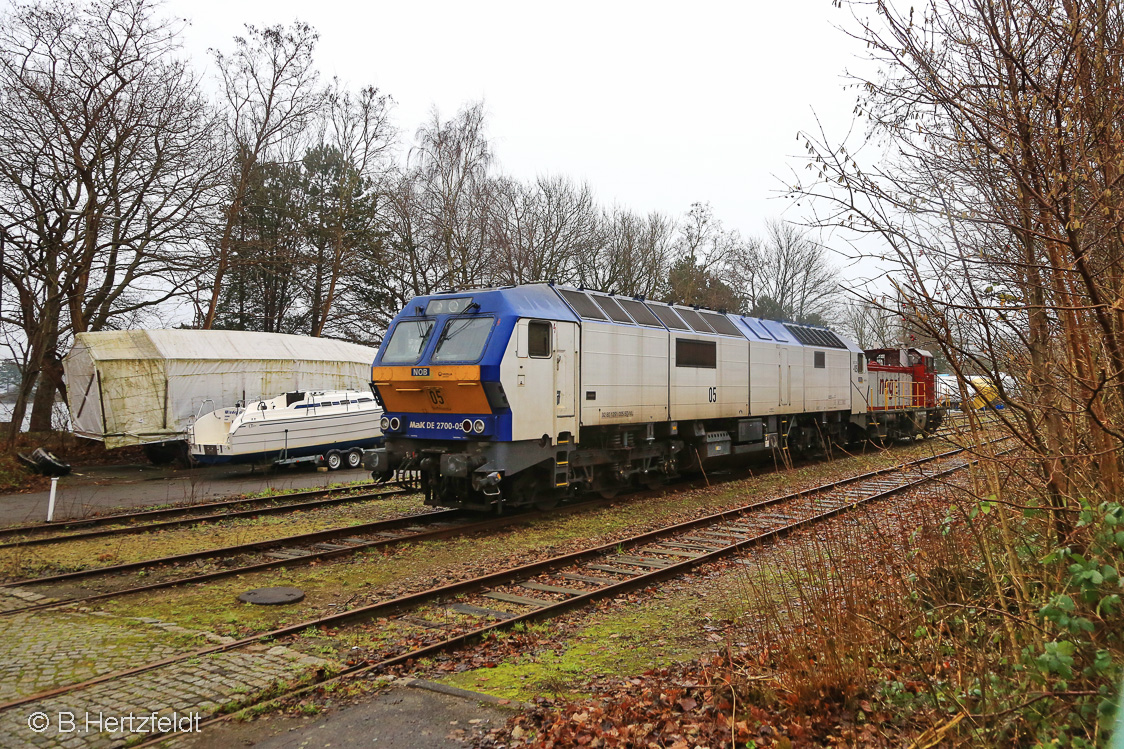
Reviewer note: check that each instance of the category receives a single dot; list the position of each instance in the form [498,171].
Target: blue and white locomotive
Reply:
[531,394]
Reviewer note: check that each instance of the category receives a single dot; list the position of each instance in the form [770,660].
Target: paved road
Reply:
[402,718]
[98,489]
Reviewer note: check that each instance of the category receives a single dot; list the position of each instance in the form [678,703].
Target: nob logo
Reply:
[419,372]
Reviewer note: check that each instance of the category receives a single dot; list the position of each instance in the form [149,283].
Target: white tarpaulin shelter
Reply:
[133,387]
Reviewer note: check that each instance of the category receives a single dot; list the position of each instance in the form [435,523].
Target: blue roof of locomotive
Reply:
[774,331]
[532,300]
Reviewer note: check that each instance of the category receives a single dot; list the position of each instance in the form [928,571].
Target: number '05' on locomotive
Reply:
[531,394]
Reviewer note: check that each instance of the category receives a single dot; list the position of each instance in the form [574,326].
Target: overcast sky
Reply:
[657,105]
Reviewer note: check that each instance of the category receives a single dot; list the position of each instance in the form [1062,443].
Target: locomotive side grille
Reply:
[815,336]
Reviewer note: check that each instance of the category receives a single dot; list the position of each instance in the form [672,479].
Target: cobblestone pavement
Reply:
[18,598]
[44,650]
[48,649]
[86,718]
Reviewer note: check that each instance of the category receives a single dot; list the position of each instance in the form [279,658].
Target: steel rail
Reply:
[132,517]
[273,509]
[498,578]
[189,557]
[300,538]
[644,578]
[638,581]
[127,517]
[439,516]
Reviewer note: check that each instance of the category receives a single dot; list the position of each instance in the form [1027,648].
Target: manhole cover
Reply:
[272,596]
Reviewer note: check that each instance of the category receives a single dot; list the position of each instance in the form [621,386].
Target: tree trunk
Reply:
[50,383]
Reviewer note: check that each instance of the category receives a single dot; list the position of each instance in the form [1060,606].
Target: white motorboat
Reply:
[333,425]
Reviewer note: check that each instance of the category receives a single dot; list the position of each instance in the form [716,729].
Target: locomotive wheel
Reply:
[333,460]
[546,502]
[525,490]
[856,437]
[354,457]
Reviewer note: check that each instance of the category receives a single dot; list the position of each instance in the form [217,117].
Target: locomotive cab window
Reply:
[820,361]
[698,354]
[407,341]
[859,363]
[538,339]
[463,339]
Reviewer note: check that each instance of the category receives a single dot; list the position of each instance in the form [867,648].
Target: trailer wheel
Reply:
[333,460]
[354,457]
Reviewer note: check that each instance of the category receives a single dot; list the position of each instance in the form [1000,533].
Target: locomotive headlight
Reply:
[384,423]
[466,426]
[478,426]
[395,424]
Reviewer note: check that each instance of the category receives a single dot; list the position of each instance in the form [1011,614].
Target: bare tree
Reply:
[540,230]
[632,256]
[1003,212]
[105,175]
[270,93]
[870,324]
[450,163]
[345,173]
[794,279]
[714,267]
[1000,204]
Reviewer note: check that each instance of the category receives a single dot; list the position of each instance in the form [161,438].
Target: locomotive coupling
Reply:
[459,465]
[487,483]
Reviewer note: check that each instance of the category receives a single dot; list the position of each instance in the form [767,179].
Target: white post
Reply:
[51,503]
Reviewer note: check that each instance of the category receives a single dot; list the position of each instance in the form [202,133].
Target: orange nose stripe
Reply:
[452,389]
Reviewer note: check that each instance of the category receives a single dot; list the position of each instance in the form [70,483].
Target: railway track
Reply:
[549,587]
[290,551]
[177,517]
[40,534]
[259,556]
[543,589]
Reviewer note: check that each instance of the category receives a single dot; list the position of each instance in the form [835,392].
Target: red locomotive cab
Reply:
[906,378]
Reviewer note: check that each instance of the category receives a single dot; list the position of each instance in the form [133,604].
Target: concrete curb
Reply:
[433,686]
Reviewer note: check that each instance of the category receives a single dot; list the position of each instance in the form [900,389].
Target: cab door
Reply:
[784,379]
[565,376]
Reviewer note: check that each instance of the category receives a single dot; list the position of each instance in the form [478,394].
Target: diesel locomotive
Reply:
[531,394]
